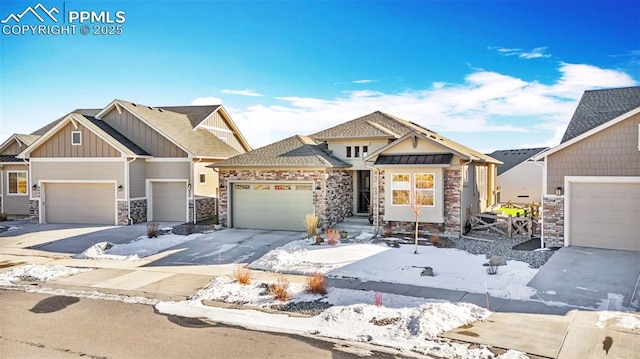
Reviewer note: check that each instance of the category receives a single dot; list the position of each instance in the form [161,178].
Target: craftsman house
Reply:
[519,177]
[14,176]
[377,164]
[591,181]
[125,163]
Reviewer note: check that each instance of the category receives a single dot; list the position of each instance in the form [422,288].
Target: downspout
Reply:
[129,219]
[376,208]
[193,187]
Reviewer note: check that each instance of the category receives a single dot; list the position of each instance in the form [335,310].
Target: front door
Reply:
[364,191]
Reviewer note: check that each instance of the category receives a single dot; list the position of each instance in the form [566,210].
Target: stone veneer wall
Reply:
[123,213]
[34,211]
[452,207]
[206,207]
[325,201]
[553,220]
[138,210]
[191,206]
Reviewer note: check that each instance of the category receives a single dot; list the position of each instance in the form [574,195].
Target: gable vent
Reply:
[133,104]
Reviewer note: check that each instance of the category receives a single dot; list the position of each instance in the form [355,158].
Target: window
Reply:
[282,187]
[241,186]
[304,187]
[365,151]
[356,149]
[425,190]
[76,138]
[17,182]
[400,188]
[261,187]
[203,178]
[348,151]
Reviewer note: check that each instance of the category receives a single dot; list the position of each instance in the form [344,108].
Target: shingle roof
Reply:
[42,130]
[195,114]
[178,128]
[27,139]
[9,158]
[512,158]
[376,124]
[117,136]
[295,151]
[429,159]
[600,106]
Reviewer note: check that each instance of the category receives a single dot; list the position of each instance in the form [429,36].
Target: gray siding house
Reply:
[377,164]
[591,181]
[128,163]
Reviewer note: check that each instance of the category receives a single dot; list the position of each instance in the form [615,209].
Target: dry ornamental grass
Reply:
[316,284]
[243,275]
[280,290]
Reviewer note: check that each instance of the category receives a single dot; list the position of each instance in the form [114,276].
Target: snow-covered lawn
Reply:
[453,269]
[37,273]
[136,249]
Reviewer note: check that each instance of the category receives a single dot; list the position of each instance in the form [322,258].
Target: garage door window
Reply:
[17,182]
[282,187]
[241,186]
[304,187]
[261,187]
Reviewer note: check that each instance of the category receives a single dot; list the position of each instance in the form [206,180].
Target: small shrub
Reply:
[494,263]
[280,289]
[319,239]
[435,240]
[189,229]
[316,284]
[377,299]
[152,229]
[311,224]
[333,236]
[243,275]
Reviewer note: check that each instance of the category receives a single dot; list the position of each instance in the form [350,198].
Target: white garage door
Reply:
[169,201]
[91,203]
[605,215]
[280,206]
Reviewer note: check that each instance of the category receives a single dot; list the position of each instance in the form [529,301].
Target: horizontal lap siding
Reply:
[167,170]
[59,145]
[137,178]
[208,189]
[78,171]
[14,204]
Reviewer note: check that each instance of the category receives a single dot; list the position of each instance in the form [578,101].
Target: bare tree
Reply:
[416,206]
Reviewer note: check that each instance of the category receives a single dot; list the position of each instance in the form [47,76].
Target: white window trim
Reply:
[401,189]
[80,134]
[8,188]
[200,178]
[432,189]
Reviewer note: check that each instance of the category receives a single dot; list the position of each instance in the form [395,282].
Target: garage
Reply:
[90,203]
[278,206]
[605,215]
[169,202]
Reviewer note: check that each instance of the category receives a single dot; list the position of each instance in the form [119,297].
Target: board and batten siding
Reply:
[167,170]
[14,204]
[59,145]
[137,178]
[13,149]
[210,188]
[142,135]
[78,171]
[216,124]
[610,152]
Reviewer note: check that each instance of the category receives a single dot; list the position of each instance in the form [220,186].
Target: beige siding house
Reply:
[377,164]
[591,181]
[127,163]
[14,176]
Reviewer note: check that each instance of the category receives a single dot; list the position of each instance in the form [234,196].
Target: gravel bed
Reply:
[502,247]
[310,308]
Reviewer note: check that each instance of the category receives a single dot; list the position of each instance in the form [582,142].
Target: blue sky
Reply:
[491,75]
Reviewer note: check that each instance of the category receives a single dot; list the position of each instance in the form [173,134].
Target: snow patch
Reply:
[38,273]
[136,249]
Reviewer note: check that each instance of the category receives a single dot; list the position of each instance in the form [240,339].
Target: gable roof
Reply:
[295,151]
[597,107]
[26,140]
[10,159]
[177,128]
[195,114]
[512,158]
[100,128]
[42,130]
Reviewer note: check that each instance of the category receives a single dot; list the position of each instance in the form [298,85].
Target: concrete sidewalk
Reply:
[531,327]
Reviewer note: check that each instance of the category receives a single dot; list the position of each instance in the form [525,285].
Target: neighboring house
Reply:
[129,163]
[14,176]
[519,177]
[592,179]
[376,163]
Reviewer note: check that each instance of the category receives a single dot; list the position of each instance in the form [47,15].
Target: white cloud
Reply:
[492,105]
[362,81]
[250,93]
[535,53]
[202,101]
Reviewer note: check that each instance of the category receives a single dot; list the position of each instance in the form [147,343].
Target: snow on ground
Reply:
[453,268]
[38,273]
[136,249]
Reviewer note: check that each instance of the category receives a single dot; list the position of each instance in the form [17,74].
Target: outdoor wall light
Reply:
[558,191]
[189,186]
[34,187]
[221,184]
[318,188]
[120,188]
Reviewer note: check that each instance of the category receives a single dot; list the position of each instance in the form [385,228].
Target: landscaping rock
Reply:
[427,272]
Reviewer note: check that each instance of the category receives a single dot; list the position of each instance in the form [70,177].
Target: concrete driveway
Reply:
[602,279]
[220,247]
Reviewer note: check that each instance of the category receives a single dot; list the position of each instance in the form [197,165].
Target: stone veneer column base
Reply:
[553,220]
[138,210]
[123,213]
[206,208]
[34,211]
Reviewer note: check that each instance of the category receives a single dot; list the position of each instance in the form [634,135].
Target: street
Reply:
[44,326]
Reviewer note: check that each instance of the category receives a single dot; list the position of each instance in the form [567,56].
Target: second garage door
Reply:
[280,206]
[91,203]
[169,201]
[605,215]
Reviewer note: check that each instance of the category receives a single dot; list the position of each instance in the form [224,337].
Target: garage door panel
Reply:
[90,203]
[169,201]
[271,206]
[605,215]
